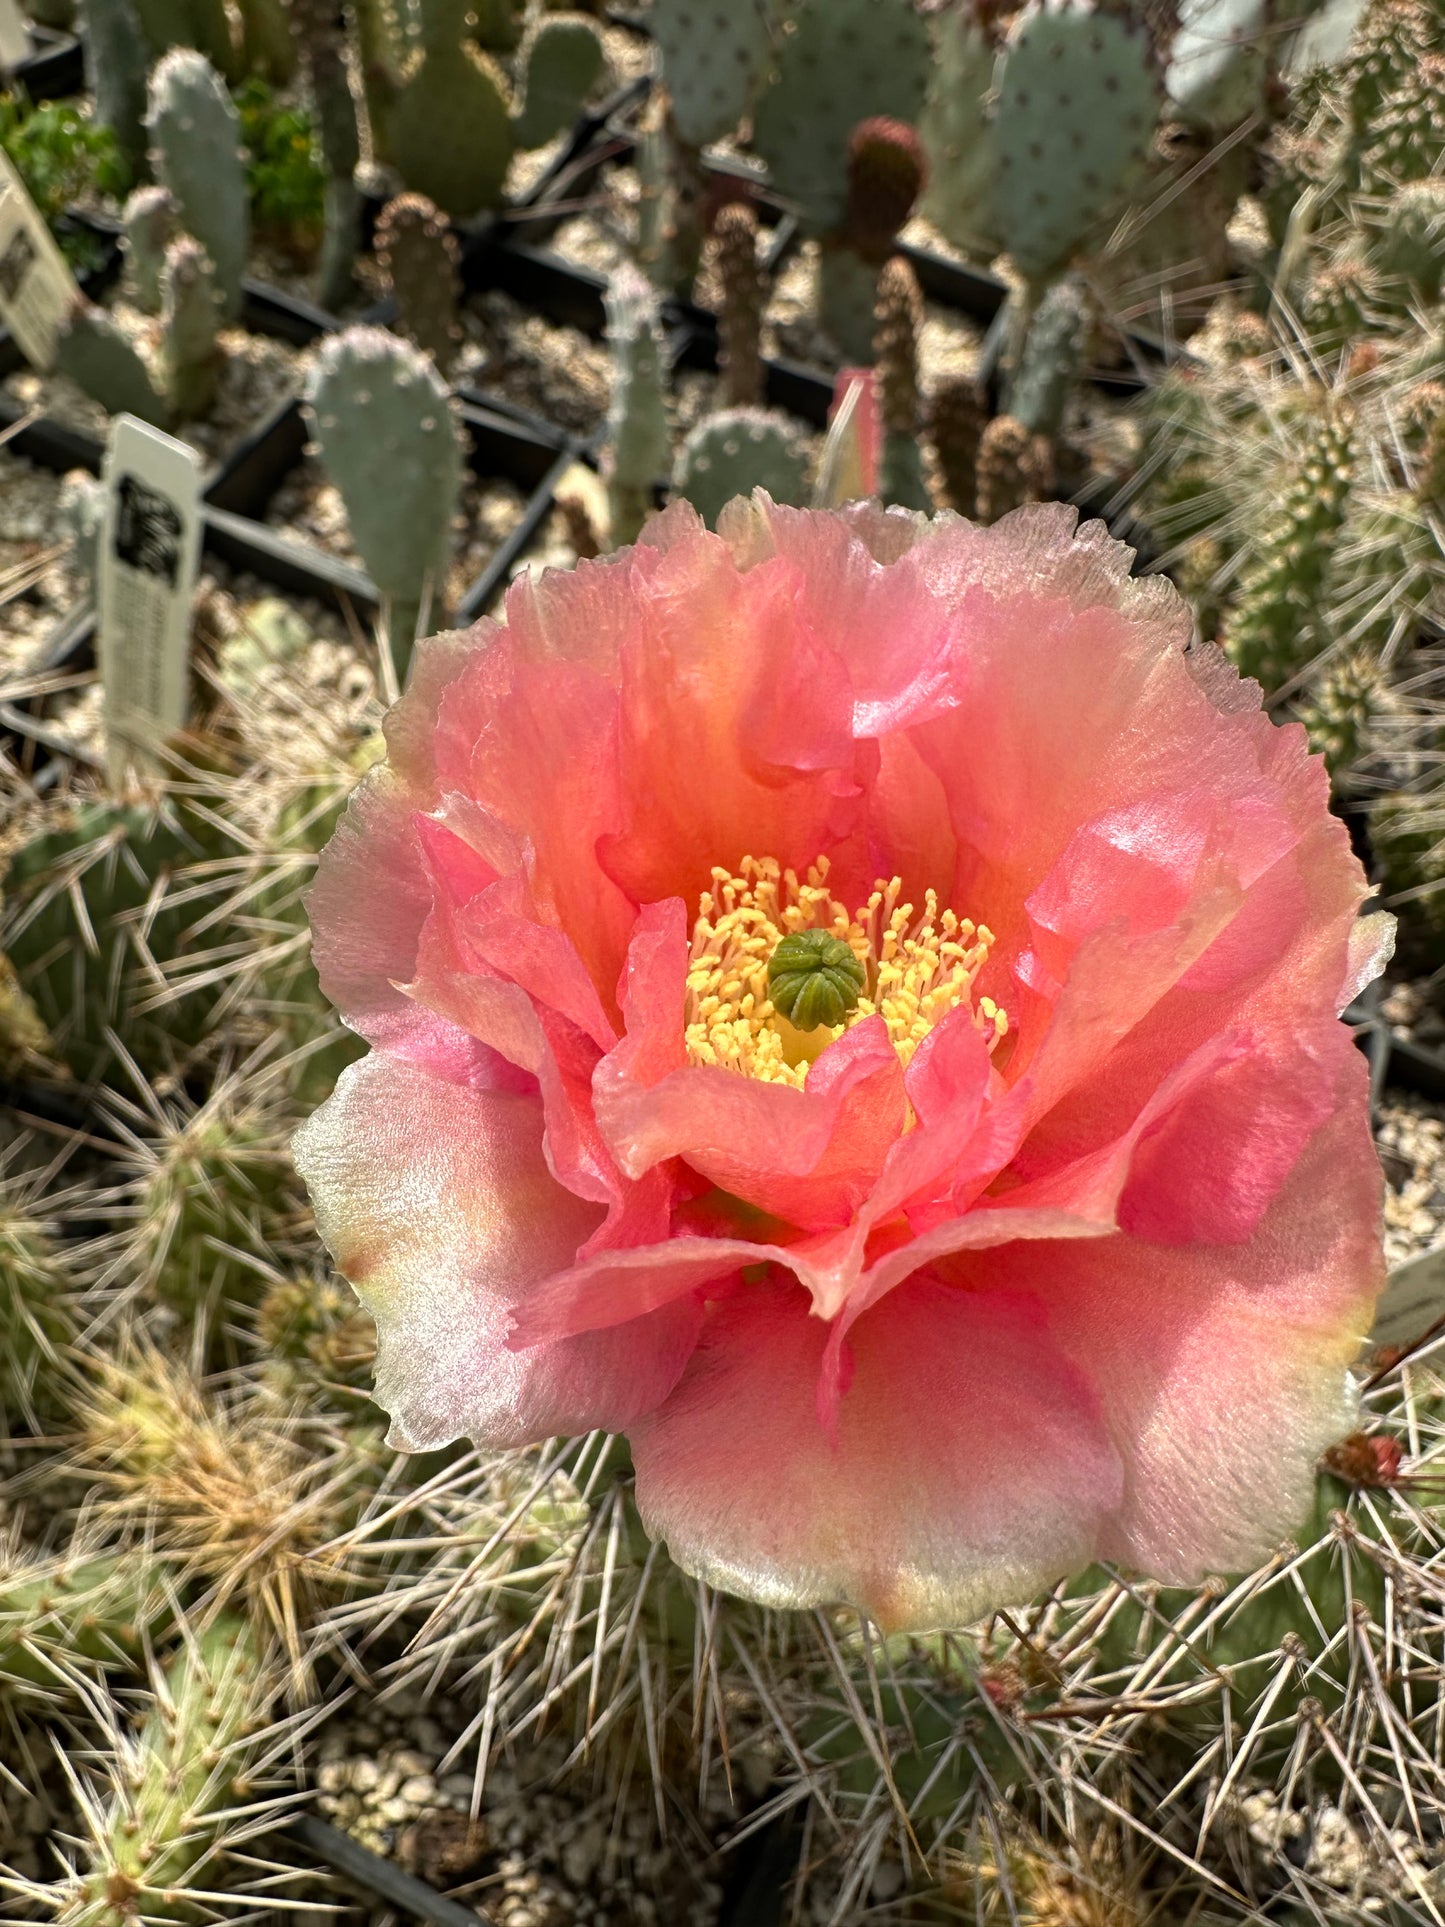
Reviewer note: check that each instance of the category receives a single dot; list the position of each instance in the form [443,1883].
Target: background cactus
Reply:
[190,312]
[196,153]
[638,442]
[387,437]
[150,227]
[420,257]
[735,451]
[740,311]
[898,315]
[319,30]
[113,32]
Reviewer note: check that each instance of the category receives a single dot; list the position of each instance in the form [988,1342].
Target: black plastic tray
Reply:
[55,67]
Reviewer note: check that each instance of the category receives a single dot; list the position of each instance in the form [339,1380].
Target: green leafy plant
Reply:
[63,157]
[285,177]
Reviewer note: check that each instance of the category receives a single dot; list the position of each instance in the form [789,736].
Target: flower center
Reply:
[779,969]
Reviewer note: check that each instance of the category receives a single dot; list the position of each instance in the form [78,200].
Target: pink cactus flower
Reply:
[854,1007]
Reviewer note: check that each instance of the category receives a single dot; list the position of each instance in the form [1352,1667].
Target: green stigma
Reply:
[813,979]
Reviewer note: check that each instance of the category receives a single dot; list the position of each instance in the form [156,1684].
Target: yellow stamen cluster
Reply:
[917,967]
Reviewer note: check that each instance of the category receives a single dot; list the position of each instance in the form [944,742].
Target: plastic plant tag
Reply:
[14,37]
[1413,1301]
[848,469]
[37,289]
[150,545]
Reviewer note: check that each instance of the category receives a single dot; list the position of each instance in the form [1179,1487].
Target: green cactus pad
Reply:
[733,453]
[959,138]
[1077,103]
[449,132]
[388,440]
[563,62]
[841,62]
[100,359]
[714,56]
[420,257]
[196,152]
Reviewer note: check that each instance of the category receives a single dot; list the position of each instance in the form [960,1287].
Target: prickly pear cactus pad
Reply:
[387,438]
[736,450]
[1078,97]
[714,55]
[938,1420]
[839,62]
[958,136]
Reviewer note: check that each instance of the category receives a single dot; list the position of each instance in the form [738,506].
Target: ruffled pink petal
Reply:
[436,1202]
[1223,1368]
[894,637]
[370,900]
[970,1466]
[734,727]
[534,745]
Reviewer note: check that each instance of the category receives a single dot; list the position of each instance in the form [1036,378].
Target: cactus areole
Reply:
[854,1006]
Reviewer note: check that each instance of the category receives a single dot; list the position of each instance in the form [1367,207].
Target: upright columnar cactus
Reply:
[268,47]
[388,440]
[957,416]
[178,1782]
[886,170]
[190,310]
[420,258]
[196,152]
[117,66]
[1052,358]
[150,227]
[1014,467]
[202,24]
[380,57]
[322,38]
[740,312]
[448,130]
[638,442]
[1273,626]
[886,174]
[895,351]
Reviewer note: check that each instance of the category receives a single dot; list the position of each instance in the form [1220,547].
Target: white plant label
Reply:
[1413,1300]
[14,37]
[150,550]
[37,289]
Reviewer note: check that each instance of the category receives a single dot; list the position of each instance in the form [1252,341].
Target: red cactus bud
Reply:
[886,175]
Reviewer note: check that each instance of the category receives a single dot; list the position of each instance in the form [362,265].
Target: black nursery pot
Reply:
[55,66]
